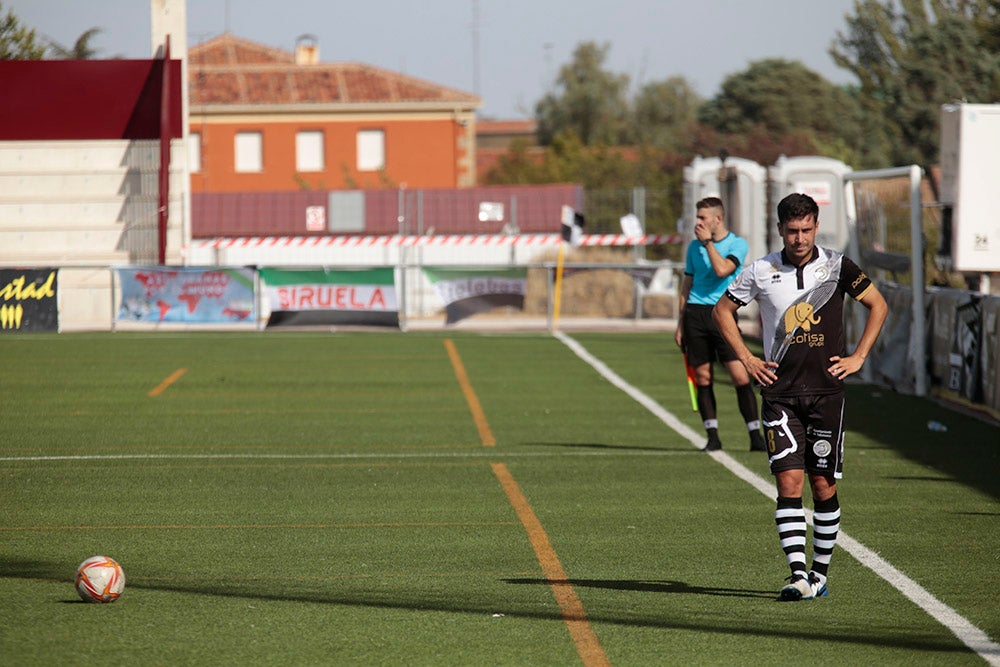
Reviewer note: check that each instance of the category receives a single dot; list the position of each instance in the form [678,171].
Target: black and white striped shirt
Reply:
[802,316]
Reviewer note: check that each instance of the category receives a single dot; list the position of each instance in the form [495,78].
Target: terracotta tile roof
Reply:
[505,127]
[230,70]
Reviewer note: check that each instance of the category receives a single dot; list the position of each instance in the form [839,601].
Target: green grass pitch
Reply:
[316,498]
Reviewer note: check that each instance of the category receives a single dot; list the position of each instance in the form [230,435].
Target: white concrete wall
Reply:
[84,206]
[85,203]
[85,299]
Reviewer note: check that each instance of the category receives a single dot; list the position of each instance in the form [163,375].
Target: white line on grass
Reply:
[969,634]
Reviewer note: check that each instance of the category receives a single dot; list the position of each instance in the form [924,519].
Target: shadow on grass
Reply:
[968,453]
[678,587]
[604,446]
[862,633]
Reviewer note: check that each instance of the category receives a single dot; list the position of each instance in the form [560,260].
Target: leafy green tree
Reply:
[588,100]
[599,168]
[663,113]
[82,48]
[522,164]
[565,160]
[778,99]
[911,57]
[17,41]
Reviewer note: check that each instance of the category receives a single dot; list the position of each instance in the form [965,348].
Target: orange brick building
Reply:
[265,119]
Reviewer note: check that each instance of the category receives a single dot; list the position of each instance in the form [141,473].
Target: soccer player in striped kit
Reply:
[800,291]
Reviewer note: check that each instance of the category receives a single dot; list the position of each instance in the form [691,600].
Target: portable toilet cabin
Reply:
[821,178]
[741,184]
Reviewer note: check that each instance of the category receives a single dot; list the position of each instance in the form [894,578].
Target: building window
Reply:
[309,150]
[194,152]
[371,150]
[249,152]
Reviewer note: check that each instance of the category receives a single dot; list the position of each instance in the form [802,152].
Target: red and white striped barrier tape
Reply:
[442,241]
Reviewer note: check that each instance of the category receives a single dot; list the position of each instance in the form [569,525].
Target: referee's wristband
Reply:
[704,244]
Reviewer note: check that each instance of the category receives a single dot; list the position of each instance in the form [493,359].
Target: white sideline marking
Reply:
[969,634]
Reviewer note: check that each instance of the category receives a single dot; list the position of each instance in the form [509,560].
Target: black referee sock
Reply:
[747,401]
[706,408]
[790,518]
[826,525]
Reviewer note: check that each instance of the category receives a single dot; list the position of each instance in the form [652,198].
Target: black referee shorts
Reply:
[702,341]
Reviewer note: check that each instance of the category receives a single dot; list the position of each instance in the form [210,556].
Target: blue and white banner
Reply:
[183,294]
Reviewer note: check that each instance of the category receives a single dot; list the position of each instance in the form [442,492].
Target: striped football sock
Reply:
[790,518]
[826,525]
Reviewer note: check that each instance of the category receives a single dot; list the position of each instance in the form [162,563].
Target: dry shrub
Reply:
[585,293]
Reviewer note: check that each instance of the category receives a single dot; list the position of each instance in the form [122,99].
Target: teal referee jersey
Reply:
[706,287]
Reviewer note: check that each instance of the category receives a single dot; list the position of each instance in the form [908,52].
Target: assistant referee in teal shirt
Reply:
[713,259]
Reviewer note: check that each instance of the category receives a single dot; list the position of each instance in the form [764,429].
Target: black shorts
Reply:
[703,343]
[805,433]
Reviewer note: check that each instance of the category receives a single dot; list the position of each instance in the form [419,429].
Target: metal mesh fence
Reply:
[884,237]
[656,208]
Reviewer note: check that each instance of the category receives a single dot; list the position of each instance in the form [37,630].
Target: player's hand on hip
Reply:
[844,366]
[761,371]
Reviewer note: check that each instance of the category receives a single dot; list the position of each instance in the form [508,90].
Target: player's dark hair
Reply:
[709,202]
[797,206]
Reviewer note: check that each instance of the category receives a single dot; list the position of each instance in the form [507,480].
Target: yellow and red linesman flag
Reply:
[691,390]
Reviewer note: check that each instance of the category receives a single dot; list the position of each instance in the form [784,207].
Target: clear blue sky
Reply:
[521,43]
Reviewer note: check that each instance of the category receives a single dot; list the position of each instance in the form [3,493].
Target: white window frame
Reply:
[309,151]
[249,152]
[371,150]
[194,152]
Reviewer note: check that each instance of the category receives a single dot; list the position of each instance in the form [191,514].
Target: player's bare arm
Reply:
[877,312]
[760,370]
[722,266]
[682,301]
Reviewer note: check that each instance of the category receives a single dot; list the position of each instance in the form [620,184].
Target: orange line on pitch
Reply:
[172,378]
[587,645]
[485,434]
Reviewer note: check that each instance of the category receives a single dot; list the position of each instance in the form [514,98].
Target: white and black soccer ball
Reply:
[100,579]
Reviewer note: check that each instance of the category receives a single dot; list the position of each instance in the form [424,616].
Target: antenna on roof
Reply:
[475,46]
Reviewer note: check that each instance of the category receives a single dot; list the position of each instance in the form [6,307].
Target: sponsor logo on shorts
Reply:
[822,448]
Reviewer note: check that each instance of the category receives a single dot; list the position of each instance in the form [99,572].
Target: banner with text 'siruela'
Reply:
[327,296]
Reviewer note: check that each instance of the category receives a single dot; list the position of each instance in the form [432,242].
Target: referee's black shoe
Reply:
[713,444]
